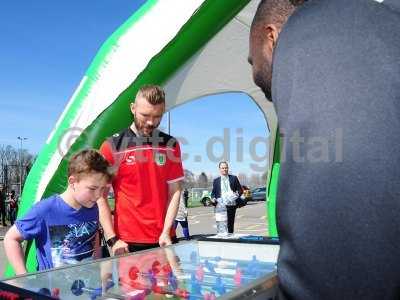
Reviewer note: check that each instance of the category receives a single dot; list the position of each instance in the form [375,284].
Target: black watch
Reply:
[111,241]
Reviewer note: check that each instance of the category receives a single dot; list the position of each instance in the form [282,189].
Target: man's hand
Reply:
[174,194]
[120,247]
[164,240]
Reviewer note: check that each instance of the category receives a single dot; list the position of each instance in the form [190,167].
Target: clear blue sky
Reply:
[46,47]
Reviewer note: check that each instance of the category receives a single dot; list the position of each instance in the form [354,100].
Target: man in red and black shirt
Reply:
[147,181]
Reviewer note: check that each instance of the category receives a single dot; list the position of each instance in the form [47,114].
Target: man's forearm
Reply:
[172,210]
[106,218]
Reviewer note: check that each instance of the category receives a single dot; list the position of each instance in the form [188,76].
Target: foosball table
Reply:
[205,269]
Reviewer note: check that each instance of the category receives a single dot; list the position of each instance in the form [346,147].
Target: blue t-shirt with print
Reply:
[63,234]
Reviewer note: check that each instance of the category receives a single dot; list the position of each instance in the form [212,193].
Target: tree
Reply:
[255,180]
[190,180]
[8,155]
[13,163]
[264,177]
[202,181]
[243,179]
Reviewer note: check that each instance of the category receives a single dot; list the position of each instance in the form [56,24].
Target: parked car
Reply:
[259,194]
[206,198]
[199,196]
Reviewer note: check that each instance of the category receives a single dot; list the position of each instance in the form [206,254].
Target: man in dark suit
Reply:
[332,70]
[225,185]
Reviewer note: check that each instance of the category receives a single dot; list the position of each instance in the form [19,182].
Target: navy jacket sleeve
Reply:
[336,89]
[216,191]
[235,184]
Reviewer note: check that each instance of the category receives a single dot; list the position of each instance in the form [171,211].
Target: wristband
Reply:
[111,241]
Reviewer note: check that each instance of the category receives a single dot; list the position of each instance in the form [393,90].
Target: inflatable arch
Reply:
[192,48]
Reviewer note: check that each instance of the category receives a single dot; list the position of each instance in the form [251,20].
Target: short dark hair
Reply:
[275,11]
[89,161]
[222,162]
[152,93]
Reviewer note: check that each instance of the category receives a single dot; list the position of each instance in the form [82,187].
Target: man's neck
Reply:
[134,129]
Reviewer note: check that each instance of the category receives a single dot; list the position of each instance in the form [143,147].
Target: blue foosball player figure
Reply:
[219,286]
[209,266]
[195,286]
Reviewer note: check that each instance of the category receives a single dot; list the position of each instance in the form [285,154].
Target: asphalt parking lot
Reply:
[250,219]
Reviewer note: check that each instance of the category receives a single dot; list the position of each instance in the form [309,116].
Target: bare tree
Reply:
[255,180]
[8,155]
[13,163]
[202,181]
[243,179]
[190,180]
[264,177]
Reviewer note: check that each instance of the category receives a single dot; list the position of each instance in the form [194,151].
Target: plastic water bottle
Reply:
[221,218]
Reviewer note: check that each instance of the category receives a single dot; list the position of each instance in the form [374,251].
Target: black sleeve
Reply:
[213,192]
[330,208]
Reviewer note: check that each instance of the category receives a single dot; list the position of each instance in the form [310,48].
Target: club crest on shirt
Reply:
[160,159]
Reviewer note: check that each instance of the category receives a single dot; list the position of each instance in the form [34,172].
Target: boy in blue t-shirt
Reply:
[63,226]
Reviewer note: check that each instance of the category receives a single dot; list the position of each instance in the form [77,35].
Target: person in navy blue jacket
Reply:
[224,185]
[332,70]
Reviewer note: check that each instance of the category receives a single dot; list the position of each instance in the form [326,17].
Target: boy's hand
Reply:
[120,247]
[164,240]
[21,271]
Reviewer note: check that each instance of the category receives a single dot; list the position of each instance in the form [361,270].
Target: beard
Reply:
[263,79]
[144,130]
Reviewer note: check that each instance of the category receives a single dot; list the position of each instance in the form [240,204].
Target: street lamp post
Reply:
[20,163]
